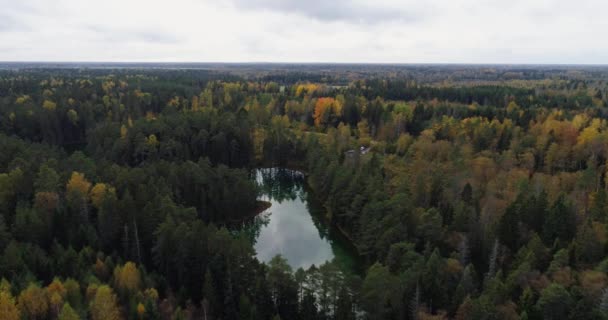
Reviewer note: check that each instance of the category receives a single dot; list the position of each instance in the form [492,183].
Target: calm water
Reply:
[293,225]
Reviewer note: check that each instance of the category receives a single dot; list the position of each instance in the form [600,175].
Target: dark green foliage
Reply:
[479,193]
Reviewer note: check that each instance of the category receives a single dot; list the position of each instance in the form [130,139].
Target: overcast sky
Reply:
[379,31]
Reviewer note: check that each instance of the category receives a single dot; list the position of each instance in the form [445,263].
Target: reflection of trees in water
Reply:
[345,255]
[280,184]
[253,227]
[317,213]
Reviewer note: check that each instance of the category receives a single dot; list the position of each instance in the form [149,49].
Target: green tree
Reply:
[67,313]
[554,302]
[560,222]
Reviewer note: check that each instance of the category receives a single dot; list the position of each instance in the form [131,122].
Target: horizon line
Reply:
[305,63]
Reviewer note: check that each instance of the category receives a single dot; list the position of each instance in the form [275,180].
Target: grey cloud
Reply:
[336,10]
[12,20]
[6,23]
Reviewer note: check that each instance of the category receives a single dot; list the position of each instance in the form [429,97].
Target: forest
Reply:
[468,192]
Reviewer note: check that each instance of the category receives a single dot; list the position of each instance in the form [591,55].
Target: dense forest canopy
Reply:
[470,192]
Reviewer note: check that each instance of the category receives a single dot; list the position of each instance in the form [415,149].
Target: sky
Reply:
[356,31]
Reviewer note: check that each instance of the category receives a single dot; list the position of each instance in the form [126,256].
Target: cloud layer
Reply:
[389,31]
[369,12]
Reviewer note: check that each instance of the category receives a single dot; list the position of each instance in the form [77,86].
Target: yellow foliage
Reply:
[107,86]
[324,107]
[174,102]
[141,310]
[104,305]
[308,88]
[5,286]
[49,105]
[152,140]
[22,99]
[99,192]
[73,116]
[56,287]
[580,120]
[259,135]
[588,135]
[403,143]
[127,277]
[123,131]
[33,302]
[151,293]
[78,185]
[512,106]
[195,103]
[150,116]
[55,302]
[8,309]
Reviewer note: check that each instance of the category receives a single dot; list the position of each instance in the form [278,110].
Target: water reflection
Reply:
[292,226]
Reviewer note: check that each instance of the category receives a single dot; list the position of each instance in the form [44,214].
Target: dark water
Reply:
[293,226]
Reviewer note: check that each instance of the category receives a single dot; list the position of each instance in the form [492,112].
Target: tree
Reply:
[508,227]
[127,277]
[33,302]
[99,192]
[8,309]
[378,293]
[104,305]
[467,193]
[560,222]
[73,295]
[209,302]
[283,287]
[5,235]
[77,191]
[364,134]
[46,202]
[326,111]
[67,313]
[47,179]
[554,302]
[56,294]
[49,105]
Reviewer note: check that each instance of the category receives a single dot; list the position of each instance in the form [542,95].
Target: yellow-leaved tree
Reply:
[99,192]
[78,190]
[8,309]
[33,302]
[127,277]
[104,305]
[326,109]
[56,294]
[49,105]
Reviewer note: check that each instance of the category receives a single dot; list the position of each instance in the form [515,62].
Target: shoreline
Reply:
[260,206]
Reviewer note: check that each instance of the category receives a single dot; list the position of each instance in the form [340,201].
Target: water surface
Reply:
[293,226]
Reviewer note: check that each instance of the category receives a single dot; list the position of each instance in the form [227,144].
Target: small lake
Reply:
[293,226]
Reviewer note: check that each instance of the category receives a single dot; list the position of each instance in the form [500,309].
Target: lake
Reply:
[293,226]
